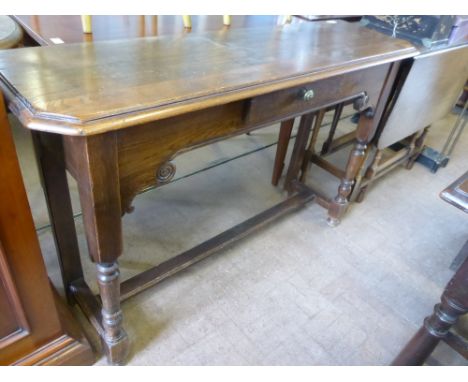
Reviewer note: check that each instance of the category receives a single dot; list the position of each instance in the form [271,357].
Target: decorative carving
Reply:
[166,172]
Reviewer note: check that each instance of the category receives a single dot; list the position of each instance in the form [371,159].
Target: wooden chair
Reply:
[454,301]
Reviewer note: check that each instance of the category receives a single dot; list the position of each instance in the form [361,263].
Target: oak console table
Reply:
[115,113]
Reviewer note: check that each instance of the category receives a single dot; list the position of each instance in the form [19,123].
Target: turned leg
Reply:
[114,338]
[282,148]
[313,140]
[99,189]
[51,165]
[416,147]
[453,304]
[298,153]
[340,203]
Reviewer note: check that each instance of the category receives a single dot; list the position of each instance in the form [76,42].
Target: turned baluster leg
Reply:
[99,189]
[340,203]
[281,149]
[114,338]
[454,303]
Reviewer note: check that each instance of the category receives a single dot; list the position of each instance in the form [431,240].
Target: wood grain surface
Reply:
[81,89]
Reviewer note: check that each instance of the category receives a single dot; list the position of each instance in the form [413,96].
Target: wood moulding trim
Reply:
[69,348]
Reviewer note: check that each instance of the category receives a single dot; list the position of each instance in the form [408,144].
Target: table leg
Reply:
[50,159]
[356,159]
[99,188]
[313,140]
[297,156]
[283,141]
[114,340]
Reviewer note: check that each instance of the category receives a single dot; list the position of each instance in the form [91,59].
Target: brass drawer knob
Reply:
[307,94]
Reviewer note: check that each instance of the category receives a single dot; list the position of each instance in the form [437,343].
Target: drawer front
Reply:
[296,101]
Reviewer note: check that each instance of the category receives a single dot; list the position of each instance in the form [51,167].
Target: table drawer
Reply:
[301,99]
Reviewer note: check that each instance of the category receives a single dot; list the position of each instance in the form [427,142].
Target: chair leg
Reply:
[281,150]
[454,303]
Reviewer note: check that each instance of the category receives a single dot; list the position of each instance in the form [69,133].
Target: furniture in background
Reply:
[427,90]
[425,30]
[117,130]
[454,301]
[414,104]
[11,33]
[36,327]
[49,30]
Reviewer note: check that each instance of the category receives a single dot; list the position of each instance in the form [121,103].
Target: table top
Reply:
[89,88]
[53,29]
[457,193]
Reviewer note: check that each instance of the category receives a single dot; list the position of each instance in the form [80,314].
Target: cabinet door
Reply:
[13,324]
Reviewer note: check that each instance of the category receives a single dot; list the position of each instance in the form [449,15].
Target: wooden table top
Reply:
[45,29]
[81,89]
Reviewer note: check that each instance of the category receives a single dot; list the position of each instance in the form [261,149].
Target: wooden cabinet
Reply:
[35,327]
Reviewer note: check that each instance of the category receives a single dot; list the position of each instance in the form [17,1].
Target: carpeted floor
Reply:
[295,293]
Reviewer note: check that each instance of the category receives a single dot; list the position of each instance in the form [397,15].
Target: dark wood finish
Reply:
[313,139]
[49,152]
[116,27]
[282,148]
[32,330]
[336,118]
[454,301]
[291,102]
[114,339]
[298,153]
[79,97]
[367,126]
[122,127]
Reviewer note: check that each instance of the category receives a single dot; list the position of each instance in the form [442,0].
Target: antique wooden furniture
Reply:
[35,327]
[427,91]
[115,113]
[44,30]
[10,33]
[454,301]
